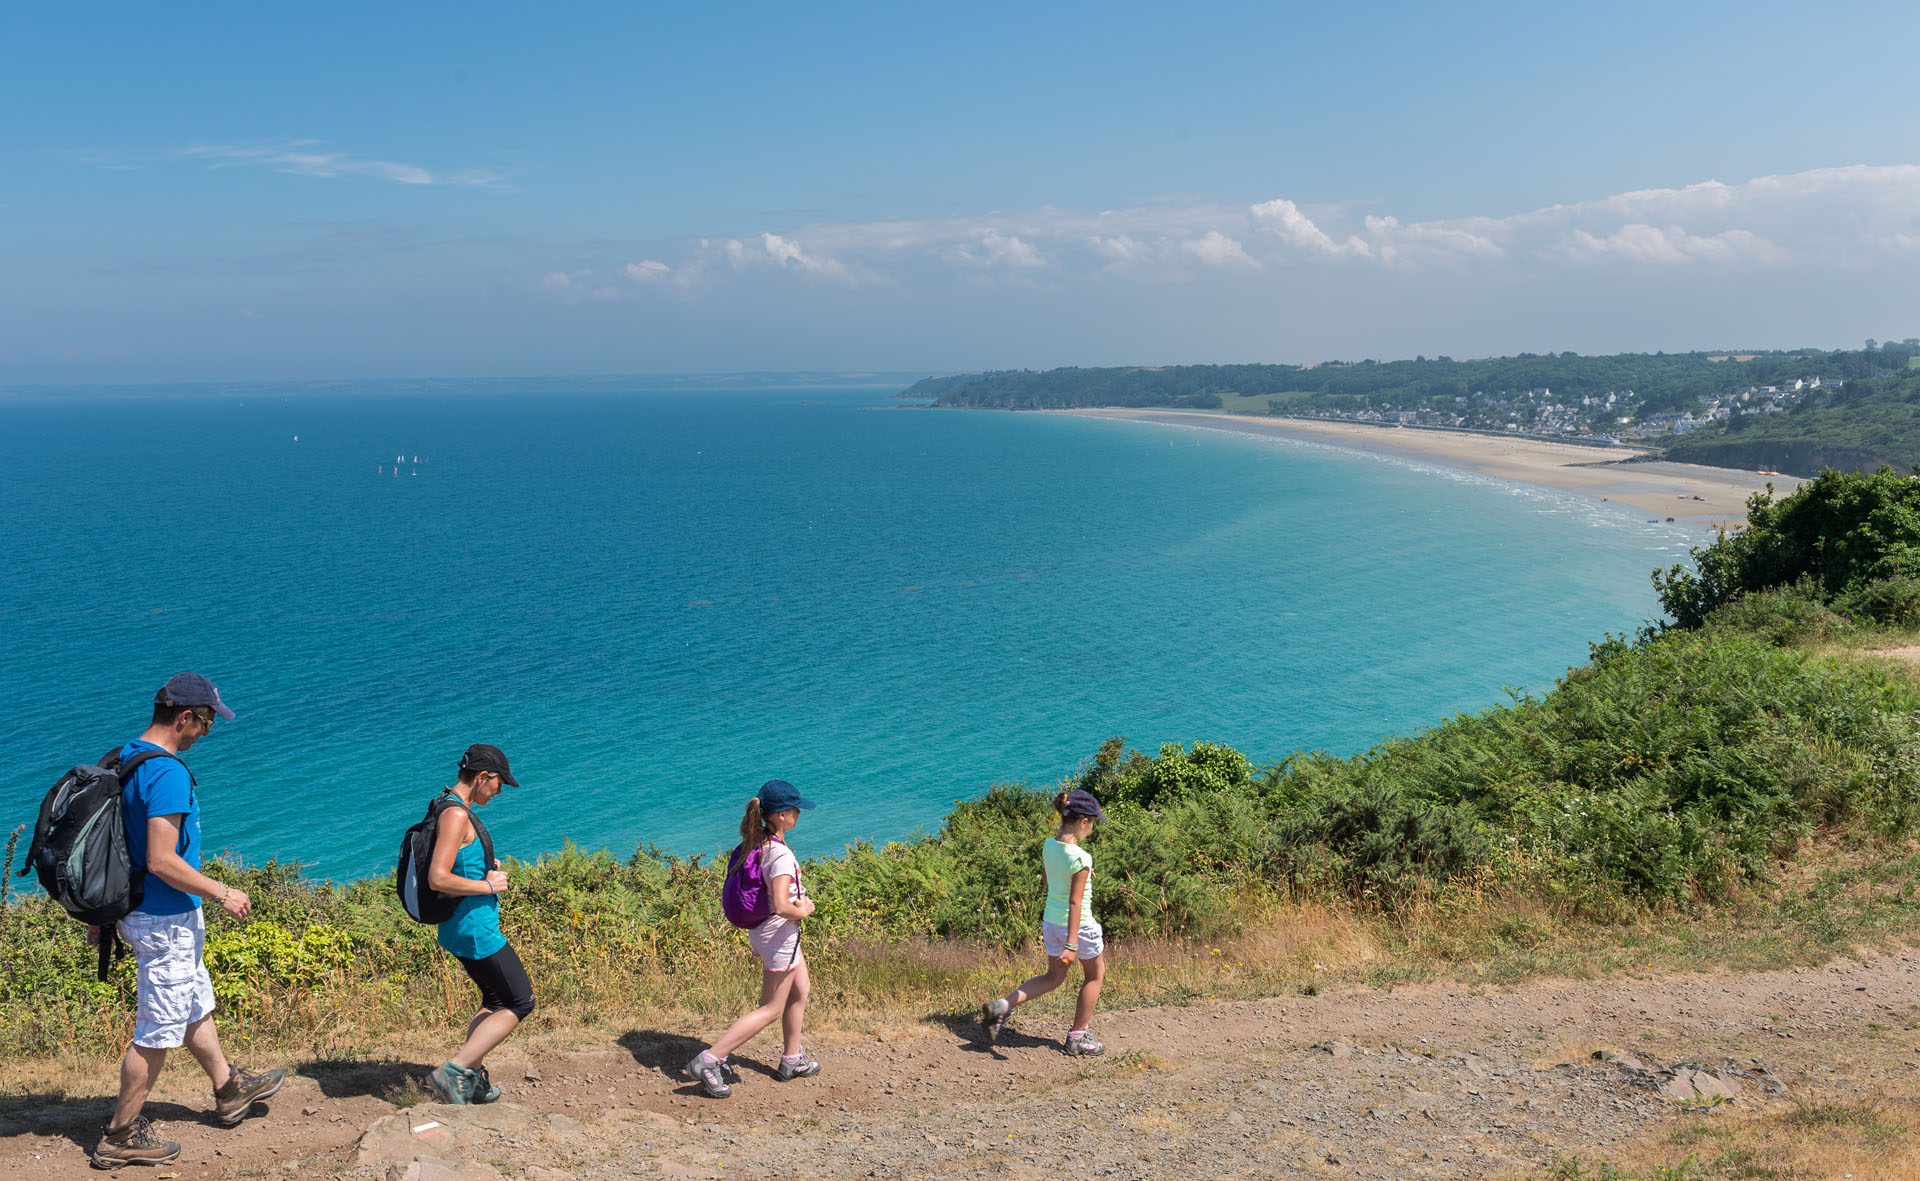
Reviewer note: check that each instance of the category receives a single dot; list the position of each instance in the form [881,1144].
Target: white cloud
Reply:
[992,248]
[787,253]
[303,158]
[1121,248]
[1218,250]
[1471,237]
[1640,242]
[1284,218]
[1851,216]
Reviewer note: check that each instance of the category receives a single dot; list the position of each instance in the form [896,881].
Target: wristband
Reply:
[224,891]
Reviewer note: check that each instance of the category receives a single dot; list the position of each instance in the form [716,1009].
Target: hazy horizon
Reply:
[235,193]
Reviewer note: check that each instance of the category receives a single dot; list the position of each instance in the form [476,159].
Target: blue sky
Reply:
[215,192]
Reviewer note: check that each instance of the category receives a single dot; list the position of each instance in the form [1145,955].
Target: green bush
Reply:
[1841,531]
[1893,602]
[1782,616]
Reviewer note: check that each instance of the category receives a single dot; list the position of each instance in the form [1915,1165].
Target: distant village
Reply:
[1614,418]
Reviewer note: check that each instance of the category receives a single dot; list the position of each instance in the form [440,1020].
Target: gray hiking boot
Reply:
[451,1084]
[708,1074]
[135,1144]
[244,1089]
[806,1067]
[1085,1046]
[993,1016]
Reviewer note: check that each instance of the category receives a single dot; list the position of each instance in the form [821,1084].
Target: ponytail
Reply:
[753,827]
[1060,804]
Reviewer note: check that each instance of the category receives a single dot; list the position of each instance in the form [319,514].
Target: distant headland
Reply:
[1794,412]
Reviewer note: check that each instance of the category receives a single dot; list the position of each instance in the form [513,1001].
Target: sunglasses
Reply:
[206,717]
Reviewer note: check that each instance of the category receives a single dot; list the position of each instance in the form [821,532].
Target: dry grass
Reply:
[1818,1138]
[859,990]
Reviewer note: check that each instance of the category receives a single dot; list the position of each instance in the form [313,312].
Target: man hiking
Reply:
[167,932]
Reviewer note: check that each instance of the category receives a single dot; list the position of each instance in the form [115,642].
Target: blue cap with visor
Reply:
[192,689]
[777,795]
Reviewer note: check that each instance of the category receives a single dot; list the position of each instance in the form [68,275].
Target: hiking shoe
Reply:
[1085,1046]
[729,1071]
[806,1067]
[450,1083]
[244,1088]
[480,1088]
[135,1144]
[708,1074]
[993,1015]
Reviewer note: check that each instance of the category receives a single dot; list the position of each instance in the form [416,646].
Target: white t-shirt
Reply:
[776,860]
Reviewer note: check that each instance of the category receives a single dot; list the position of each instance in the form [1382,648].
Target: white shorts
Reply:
[1091,944]
[171,981]
[777,943]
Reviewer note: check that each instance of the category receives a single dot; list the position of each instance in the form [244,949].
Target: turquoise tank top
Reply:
[473,933]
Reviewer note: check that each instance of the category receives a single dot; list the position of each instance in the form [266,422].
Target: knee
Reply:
[522,1006]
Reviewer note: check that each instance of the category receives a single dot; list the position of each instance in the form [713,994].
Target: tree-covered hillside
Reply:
[1798,411]
[1857,428]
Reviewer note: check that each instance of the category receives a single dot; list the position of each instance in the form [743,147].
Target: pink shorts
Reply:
[777,943]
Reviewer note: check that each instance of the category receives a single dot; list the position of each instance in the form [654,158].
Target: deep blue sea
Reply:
[654,601]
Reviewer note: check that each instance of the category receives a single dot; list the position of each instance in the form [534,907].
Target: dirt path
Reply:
[1427,1081]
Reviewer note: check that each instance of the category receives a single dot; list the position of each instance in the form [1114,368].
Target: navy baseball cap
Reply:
[483,757]
[1082,803]
[192,689]
[777,795]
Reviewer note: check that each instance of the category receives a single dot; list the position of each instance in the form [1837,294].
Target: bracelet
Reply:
[224,891]
[491,890]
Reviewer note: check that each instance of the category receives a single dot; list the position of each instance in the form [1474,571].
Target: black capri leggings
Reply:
[502,981]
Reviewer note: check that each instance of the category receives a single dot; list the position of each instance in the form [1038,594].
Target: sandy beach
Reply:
[1706,497]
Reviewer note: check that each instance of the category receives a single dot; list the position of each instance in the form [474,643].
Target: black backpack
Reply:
[422,902]
[80,849]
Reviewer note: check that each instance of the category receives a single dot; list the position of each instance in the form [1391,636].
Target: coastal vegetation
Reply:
[1740,783]
[1795,411]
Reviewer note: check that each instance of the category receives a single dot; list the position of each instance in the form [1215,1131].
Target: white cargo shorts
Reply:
[172,987]
[1091,942]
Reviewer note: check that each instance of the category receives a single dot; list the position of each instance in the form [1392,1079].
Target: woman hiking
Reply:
[473,934]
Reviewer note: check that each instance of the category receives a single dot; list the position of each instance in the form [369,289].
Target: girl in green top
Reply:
[1068,930]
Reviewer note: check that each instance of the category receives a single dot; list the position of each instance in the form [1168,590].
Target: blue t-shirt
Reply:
[473,933]
[161,786]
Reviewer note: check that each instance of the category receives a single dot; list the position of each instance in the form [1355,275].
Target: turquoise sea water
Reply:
[655,601]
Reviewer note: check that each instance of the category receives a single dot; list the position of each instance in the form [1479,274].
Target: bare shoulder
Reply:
[456,826]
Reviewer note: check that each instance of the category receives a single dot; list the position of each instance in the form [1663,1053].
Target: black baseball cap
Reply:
[1082,803]
[192,689]
[482,757]
[777,795]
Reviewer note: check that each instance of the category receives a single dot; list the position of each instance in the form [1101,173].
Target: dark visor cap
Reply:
[482,757]
[777,795]
[192,689]
[1082,803]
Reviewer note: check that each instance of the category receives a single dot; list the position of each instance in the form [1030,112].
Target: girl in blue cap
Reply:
[1068,930]
[783,968]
